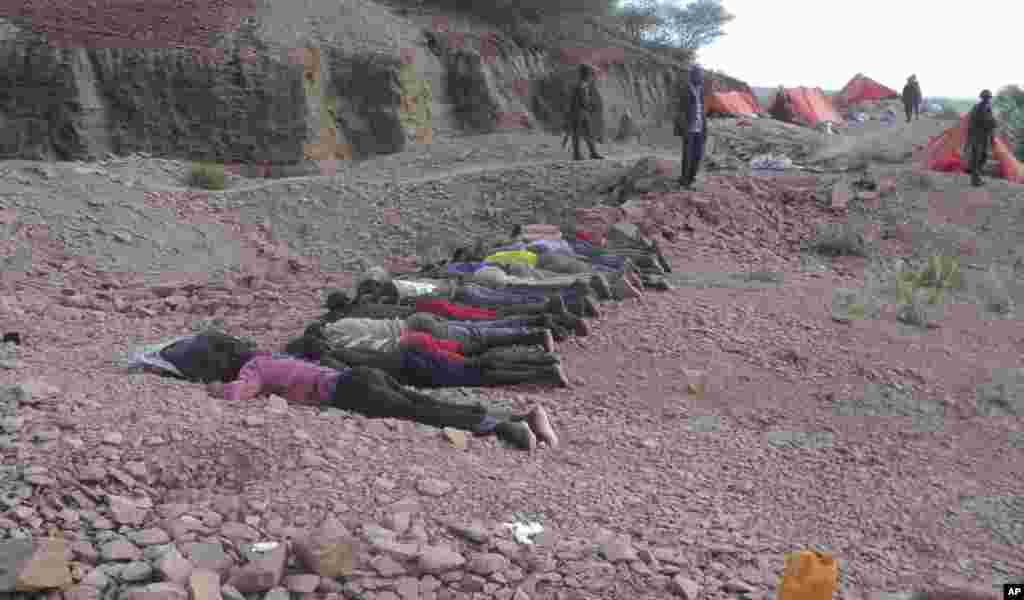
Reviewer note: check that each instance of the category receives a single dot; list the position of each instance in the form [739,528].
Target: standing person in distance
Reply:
[912,98]
[981,129]
[581,113]
[692,125]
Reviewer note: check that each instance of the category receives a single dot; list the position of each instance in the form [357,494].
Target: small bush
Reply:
[840,240]
[209,176]
[921,309]
[920,293]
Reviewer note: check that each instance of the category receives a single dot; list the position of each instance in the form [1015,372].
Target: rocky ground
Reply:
[709,430]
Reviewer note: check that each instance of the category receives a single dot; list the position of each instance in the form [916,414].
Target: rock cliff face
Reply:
[250,97]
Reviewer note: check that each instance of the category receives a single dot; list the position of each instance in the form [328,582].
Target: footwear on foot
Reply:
[590,307]
[596,157]
[517,433]
[582,329]
[540,424]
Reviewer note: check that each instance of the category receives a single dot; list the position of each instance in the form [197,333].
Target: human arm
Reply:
[248,385]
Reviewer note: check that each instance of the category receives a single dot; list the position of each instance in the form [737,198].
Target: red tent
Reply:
[803,105]
[732,103]
[862,88]
[943,153]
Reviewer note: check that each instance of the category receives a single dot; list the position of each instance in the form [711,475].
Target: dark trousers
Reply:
[375,394]
[583,129]
[693,154]
[478,295]
[977,156]
[913,109]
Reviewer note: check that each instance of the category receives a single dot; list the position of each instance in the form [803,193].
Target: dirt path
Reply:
[432,174]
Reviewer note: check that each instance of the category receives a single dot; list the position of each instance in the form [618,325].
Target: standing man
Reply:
[981,129]
[581,113]
[912,98]
[692,125]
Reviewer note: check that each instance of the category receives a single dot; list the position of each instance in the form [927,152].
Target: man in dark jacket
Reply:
[692,125]
[912,98]
[581,113]
[981,129]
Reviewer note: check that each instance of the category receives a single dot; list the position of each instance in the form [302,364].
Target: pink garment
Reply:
[295,380]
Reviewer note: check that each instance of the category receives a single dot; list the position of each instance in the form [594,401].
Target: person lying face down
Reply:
[571,256]
[375,394]
[472,337]
[435,367]
[378,286]
[340,306]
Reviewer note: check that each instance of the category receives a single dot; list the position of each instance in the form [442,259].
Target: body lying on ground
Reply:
[624,250]
[340,306]
[378,285]
[433,367]
[473,337]
[234,370]
[612,285]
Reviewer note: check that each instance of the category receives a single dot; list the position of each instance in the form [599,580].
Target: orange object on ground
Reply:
[803,105]
[862,88]
[732,103]
[943,153]
[808,576]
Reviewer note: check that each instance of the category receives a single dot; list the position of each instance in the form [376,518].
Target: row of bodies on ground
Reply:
[490,315]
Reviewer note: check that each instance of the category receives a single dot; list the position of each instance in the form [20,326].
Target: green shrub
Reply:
[920,293]
[209,176]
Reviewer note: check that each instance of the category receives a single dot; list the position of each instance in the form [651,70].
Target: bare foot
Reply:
[630,290]
[560,373]
[582,329]
[541,425]
[549,341]
[634,278]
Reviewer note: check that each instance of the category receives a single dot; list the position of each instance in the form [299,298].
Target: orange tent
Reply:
[862,88]
[943,153]
[732,103]
[807,106]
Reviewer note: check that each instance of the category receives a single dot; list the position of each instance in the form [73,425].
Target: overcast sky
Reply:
[956,50]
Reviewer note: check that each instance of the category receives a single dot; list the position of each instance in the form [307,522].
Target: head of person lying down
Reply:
[204,357]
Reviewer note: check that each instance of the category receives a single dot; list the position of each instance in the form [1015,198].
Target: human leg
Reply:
[700,143]
[478,295]
[516,374]
[589,136]
[376,394]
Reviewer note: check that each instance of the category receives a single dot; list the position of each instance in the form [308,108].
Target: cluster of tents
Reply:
[811,107]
